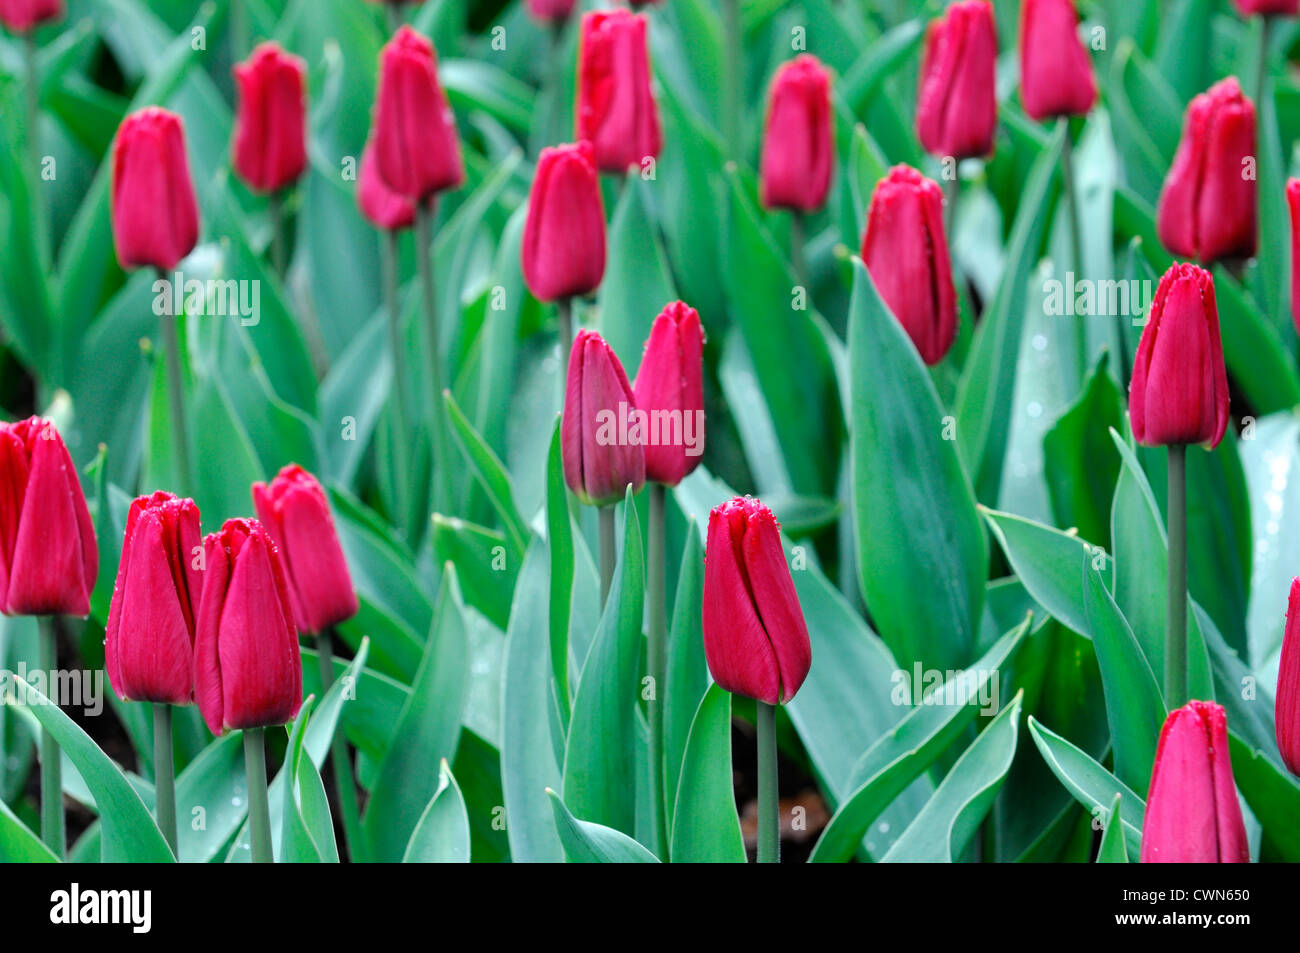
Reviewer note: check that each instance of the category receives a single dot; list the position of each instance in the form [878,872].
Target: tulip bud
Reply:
[247,668]
[551,11]
[1192,814]
[563,251]
[907,254]
[415,132]
[1055,70]
[1281,8]
[798,149]
[1179,391]
[155,213]
[616,109]
[669,389]
[600,457]
[149,647]
[1293,202]
[19,16]
[48,556]
[1287,707]
[1207,204]
[755,639]
[296,513]
[269,149]
[957,108]
[384,208]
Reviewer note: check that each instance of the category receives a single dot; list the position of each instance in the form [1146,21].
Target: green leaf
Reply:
[559,534]
[492,476]
[588,843]
[442,835]
[706,826]
[688,672]
[18,845]
[880,61]
[1111,849]
[307,830]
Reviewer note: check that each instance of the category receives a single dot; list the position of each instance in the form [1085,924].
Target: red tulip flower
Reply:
[415,132]
[149,648]
[755,639]
[296,512]
[1293,203]
[957,109]
[48,556]
[383,207]
[1056,76]
[155,213]
[20,16]
[247,668]
[599,461]
[669,389]
[563,251]
[1281,8]
[1179,392]
[798,148]
[907,254]
[1207,206]
[1287,708]
[616,109]
[269,149]
[1192,811]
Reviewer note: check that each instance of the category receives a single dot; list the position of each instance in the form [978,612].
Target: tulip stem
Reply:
[1261,77]
[607,554]
[33,102]
[344,783]
[393,15]
[164,779]
[52,820]
[732,81]
[437,410]
[401,396]
[769,822]
[259,812]
[797,246]
[176,396]
[1176,627]
[1076,238]
[275,206]
[951,189]
[565,308]
[656,570]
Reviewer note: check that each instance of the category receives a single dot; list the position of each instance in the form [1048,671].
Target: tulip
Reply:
[20,16]
[1287,709]
[616,110]
[599,462]
[384,208]
[1207,206]
[1192,812]
[669,389]
[415,132]
[551,11]
[563,251]
[247,672]
[957,109]
[1056,76]
[1281,8]
[1293,202]
[798,149]
[155,213]
[907,254]
[149,648]
[48,555]
[269,148]
[1179,392]
[296,513]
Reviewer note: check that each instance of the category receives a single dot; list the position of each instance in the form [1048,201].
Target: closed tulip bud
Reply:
[149,647]
[1281,8]
[755,639]
[563,250]
[798,149]
[247,668]
[48,556]
[155,213]
[19,16]
[1293,202]
[669,390]
[269,149]
[383,207]
[1192,814]
[1287,709]
[599,455]
[907,254]
[551,11]
[295,511]
[1207,204]
[957,108]
[1055,70]
[1179,391]
[616,109]
[415,132]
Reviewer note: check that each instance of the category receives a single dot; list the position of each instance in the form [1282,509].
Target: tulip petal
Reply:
[776,601]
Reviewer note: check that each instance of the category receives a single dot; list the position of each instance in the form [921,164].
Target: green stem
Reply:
[437,410]
[393,15]
[1076,241]
[275,206]
[656,571]
[33,103]
[238,30]
[401,394]
[1261,77]
[259,812]
[4,748]
[769,821]
[731,75]
[1176,626]
[797,240]
[164,778]
[608,556]
[951,190]
[52,820]
[176,397]
[565,309]
[344,783]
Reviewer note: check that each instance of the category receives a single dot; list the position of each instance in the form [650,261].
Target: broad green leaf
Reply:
[588,843]
[307,834]
[18,845]
[1111,850]
[706,826]
[688,673]
[442,834]
[492,476]
[559,534]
